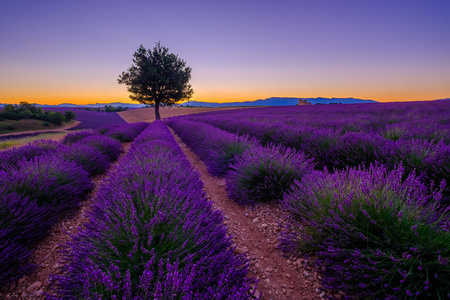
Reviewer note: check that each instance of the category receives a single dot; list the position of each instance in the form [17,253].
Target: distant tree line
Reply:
[25,110]
[106,108]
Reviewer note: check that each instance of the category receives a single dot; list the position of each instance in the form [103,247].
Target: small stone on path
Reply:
[34,287]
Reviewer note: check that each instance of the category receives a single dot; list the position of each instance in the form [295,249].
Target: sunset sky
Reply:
[55,52]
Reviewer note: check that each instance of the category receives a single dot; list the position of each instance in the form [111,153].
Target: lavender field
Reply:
[367,187]
[91,119]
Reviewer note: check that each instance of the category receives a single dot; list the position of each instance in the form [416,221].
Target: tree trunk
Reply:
[158,117]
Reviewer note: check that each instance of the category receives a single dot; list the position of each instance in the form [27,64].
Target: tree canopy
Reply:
[157,77]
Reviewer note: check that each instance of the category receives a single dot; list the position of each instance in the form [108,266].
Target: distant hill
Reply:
[277,101]
[273,101]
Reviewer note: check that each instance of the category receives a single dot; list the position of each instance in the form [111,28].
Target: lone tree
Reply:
[157,77]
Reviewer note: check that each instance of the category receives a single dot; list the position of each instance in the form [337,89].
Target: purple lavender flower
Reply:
[89,158]
[105,145]
[10,158]
[217,148]
[49,180]
[385,231]
[153,234]
[266,173]
[127,133]
[78,136]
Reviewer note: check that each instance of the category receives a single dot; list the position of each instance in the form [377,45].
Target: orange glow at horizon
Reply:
[53,90]
[84,97]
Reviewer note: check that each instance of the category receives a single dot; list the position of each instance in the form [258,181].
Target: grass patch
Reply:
[10,143]
[7,126]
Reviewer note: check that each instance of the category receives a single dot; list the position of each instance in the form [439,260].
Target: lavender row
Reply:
[126,133]
[375,233]
[153,234]
[217,148]
[122,133]
[40,183]
[331,150]
[34,195]
[252,172]
[418,120]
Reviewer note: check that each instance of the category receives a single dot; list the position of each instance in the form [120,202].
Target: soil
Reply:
[255,230]
[148,114]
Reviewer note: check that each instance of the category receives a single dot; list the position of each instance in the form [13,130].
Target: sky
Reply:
[55,52]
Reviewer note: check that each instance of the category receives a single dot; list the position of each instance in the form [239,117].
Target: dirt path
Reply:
[255,230]
[47,255]
[62,128]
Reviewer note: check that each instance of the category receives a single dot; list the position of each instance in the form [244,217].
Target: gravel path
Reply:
[255,230]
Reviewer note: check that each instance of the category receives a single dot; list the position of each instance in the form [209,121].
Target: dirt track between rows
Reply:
[255,231]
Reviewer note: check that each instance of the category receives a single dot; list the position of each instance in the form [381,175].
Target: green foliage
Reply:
[26,110]
[9,115]
[69,115]
[106,108]
[55,117]
[9,107]
[394,133]
[25,114]
[110,108]
[157,77]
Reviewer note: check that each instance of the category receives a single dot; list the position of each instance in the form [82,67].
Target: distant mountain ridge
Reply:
[280,101]
[273,101]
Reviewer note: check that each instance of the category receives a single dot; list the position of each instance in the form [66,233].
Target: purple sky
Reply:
[73,51]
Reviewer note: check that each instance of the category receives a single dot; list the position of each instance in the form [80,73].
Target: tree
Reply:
[157,77]
[69,115]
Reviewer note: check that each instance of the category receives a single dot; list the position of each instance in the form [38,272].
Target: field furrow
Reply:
[255,231]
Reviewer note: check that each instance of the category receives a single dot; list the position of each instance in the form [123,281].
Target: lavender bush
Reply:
[50,180]
[109,147]
[427,130]
[10,158]
[33,196]
[22,222]
[88,157]
[354,149]
[104,130]
[430,161]
[153,234]
[266,173]
[78,136]
[217,148]
[128,132]
[375,235]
